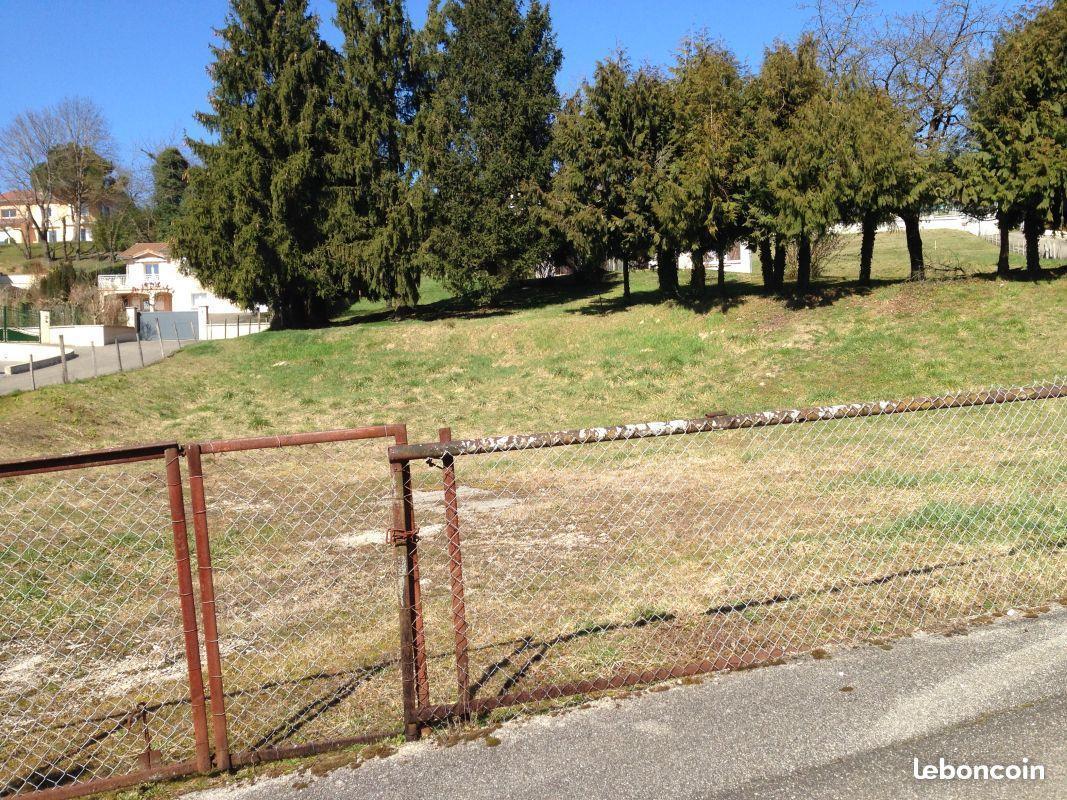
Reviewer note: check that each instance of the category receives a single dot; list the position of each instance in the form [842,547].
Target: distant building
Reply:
[738,259]
[22,219]
[153,281]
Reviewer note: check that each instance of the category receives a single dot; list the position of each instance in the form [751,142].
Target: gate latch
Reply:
[399,536]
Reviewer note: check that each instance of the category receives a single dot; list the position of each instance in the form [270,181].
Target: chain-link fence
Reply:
[299,591]
[617,556]
[19,323]
[96,619]
[347,590]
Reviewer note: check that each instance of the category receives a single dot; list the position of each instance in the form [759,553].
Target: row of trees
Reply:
[63,156]
[341,173]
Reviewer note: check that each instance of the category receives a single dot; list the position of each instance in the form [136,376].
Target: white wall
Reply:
[955,222]
[85,335]
[743,265]
[18,281]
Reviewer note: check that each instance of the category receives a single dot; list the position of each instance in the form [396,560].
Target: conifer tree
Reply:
[775,181]
[484,141]
[873,163]
[704,192]
[612,141]
[251,225]
[372,225]
[1018,124]
[170,176]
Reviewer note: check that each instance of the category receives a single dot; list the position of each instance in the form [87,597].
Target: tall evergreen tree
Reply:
[170,176]
[613,146]
[703,195]
[873,162]
[1019,126]
[372,224]
[251,225]
[782,167]
[484,136]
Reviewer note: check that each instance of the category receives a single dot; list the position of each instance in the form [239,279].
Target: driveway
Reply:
[848,726]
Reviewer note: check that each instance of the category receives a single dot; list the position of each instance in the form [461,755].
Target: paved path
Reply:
[81,367]
[844,727]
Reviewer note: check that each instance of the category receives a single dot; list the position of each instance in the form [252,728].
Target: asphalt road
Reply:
[849,726]
[82,367]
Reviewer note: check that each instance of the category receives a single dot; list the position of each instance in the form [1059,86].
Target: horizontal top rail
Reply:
[91,458]
[721,422]
[296,439]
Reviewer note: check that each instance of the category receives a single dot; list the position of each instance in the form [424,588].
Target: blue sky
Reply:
[144,61]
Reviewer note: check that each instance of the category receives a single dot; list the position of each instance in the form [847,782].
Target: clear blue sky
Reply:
[144,63]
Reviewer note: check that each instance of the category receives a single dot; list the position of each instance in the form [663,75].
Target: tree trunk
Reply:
[869,228]
[803,263]
[1004,229]
[1033,227]
[667,270]
[1059,206]
[766,263]
[915,245]
[779,263]
[699,275]
[721,281]
[626,279]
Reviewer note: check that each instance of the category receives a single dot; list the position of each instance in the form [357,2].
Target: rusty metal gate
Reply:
[348,590]
[102,683]
[298,591]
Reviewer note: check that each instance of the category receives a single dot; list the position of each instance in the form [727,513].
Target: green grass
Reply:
[564,357]
[794,536]
[13,260]
[943,250]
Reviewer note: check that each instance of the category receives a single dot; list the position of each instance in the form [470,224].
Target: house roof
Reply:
[16,197]
[142,249]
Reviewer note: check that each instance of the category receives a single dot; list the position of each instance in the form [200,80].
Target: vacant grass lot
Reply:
[579,561]
[569,357]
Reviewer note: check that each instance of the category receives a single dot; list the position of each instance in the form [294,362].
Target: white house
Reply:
[21,218]
[738,259]
[153,281]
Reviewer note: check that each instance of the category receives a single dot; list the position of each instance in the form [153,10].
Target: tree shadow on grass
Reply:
[523,296]
[604,298]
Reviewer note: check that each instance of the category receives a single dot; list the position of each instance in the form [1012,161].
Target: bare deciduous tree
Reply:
[24,168]
[86,139]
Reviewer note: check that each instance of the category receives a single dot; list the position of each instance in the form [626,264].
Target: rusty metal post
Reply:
[206,577]
[455,576]
[185,595]
[412,641]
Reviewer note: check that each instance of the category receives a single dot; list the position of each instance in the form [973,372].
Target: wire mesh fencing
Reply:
[348,590]
[299,592]
[96,618]
[616,556]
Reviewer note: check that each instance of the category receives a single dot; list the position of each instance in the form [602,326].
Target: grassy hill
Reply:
[572,356]
[13,261]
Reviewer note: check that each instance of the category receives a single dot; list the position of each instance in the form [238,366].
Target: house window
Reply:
[8,213]
[151,273]
[85,234]
[52,236]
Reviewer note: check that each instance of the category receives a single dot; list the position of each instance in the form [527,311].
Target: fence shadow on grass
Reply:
[528,651]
